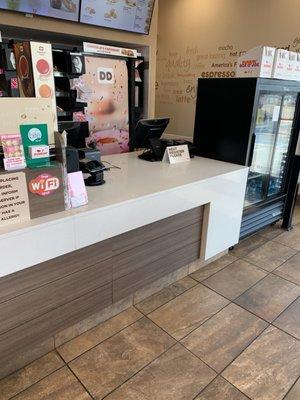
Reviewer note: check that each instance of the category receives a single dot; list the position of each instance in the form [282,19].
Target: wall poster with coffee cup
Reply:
[24,69]
[105,88]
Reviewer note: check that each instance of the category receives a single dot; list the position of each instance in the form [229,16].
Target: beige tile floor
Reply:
[230,331]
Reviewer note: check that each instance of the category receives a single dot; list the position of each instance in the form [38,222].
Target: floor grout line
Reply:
[291,388]
[280,265]
[288,280]
[78,380]
[114,334]
[220,376]
[175,296]
[141,369]
[265,270]
[198,326]
[214,272]
[35,383]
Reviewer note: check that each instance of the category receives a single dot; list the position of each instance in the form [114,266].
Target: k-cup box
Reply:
[297,67]
[281,62]
[256,63]
[291,67]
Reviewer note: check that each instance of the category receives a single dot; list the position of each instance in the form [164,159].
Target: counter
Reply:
[137,194]
[147,227]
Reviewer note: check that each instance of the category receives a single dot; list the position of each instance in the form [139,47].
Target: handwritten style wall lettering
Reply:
[187,52]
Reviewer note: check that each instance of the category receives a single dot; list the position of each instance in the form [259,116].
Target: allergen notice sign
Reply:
[14,204]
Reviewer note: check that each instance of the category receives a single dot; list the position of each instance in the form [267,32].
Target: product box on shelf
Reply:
[281,64]
[13,152]
[256,63]
[292,64]
[297,67]
[42,64]
[24,69]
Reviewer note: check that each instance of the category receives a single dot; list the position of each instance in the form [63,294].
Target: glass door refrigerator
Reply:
[253,122]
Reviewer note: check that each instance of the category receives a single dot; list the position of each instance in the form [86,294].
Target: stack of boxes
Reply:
[268,62]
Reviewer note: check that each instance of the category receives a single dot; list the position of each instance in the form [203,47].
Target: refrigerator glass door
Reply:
[268,114]
[282,145]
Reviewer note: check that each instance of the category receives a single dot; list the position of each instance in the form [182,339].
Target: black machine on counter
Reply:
[79,157]
[253,122]
[95,169]
[90,163]
[147,135]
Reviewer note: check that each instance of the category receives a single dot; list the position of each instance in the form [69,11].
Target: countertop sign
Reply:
[14,204]
[177,154]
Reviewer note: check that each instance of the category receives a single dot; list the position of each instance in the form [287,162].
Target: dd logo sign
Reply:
[106,76]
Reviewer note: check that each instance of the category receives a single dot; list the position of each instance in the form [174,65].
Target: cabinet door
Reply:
[282,145]
[265,132]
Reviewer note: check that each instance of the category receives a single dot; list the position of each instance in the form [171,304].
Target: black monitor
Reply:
[147,135]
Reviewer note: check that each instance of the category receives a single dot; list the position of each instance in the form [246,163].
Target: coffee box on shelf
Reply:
[256,63]
[281,64]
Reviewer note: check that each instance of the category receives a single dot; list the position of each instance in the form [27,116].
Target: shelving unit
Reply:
[64,72]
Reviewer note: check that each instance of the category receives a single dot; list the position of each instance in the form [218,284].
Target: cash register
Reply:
[147,136]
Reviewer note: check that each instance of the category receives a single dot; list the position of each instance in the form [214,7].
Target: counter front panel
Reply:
[38,302]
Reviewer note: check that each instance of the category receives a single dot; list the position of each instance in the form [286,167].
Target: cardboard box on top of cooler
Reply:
[282,66]
[268,62]
[286,65]
[256,63]
[294,65]
[297,67]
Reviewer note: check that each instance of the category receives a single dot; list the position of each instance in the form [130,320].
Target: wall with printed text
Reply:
[203,38]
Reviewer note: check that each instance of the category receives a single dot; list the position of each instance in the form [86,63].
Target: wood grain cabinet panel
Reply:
[157,229]
[42,300]
[51,323]
[23,281]
[155,270]
[149,252]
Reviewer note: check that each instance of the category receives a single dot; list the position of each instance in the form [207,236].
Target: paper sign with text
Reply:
[77,190]
[110,50]
[176,154]
[14,204]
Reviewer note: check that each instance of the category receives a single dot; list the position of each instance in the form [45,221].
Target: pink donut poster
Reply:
[105,88]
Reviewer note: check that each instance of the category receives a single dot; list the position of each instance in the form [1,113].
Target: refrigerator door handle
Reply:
[253,139]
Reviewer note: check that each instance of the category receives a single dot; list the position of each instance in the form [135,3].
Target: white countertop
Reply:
[135,195]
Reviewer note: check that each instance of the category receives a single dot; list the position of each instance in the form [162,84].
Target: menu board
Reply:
[63,9]
[128,15]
